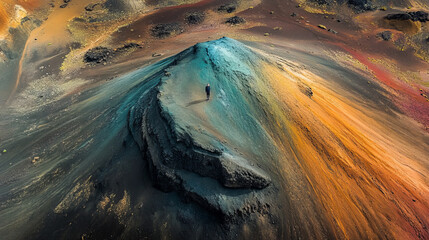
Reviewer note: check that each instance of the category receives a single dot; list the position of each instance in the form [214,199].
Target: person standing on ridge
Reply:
[208,91]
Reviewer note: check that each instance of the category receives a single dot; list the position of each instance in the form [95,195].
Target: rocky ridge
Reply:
[213,175]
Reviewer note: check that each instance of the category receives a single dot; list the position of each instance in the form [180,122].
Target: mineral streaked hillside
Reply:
[266,112]
[341,160]
[319,142]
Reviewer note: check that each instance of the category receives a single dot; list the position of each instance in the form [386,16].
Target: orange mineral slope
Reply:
[8,11]
[367,167]
[4,19]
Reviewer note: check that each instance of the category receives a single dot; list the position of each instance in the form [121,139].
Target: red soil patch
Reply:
[409,99]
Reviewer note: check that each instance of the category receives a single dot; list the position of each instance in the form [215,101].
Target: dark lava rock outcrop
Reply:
[413,16]
[229,8]
[98,55]
[103,54]
[164,30]
[235,20]
[195,17]
[361,5]
[358,5]
[91,7]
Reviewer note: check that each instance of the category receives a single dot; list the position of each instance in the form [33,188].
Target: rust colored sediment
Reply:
[4,18]
[367,178]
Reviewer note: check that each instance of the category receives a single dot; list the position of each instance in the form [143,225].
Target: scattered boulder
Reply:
[306,90]
[66,2]
[293,14]
[156,55]
[235,20]
[35,159]
[322,26]
[413,16]
[164,30]
[195,17]
[229,8]
[309,92]
[386,35]
[98,55]
[91,7]
[332,31]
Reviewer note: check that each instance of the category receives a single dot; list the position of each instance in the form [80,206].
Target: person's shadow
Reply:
[196,102]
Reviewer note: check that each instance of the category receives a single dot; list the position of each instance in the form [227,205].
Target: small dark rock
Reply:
[293,15]
[64,5]
[91,7]
[98,55]
[128,46]
[309,92]
[164,30]
[229,8]
[386,35]
[195,17]
[66,1]
[235,20]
